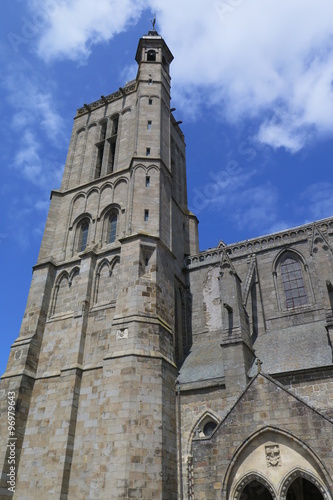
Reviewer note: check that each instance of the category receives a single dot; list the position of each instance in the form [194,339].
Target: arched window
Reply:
[83,236]
[112,228]
[293,283]
[151,55]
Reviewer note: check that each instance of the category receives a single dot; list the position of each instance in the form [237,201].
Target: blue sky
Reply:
[252,81]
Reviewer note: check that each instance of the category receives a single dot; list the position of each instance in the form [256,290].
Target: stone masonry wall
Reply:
[263,405]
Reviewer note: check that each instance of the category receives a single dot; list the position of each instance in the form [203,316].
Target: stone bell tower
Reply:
[94,367]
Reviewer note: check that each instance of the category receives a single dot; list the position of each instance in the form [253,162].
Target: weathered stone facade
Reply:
[145,369]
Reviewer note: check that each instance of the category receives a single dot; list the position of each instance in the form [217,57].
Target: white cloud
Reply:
[255,209]
[76,25]
[41,172]
[37,127]
[33,106]
[248,58]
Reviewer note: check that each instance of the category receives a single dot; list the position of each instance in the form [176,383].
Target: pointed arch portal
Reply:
[255,491]
[303,489]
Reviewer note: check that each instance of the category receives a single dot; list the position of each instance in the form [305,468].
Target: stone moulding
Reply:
[248,478]
[297,472]
[87,108]
[291,474]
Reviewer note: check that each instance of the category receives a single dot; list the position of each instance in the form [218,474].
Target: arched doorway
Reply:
[303,489]
[255,491]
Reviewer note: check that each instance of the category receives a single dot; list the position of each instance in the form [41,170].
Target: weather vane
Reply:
[153,22]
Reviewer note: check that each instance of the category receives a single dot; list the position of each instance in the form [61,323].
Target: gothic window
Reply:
[151,56]
[112,228]
[110,225]
[83,235]
[293,283]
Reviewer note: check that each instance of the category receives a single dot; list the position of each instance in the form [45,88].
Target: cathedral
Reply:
[147,369]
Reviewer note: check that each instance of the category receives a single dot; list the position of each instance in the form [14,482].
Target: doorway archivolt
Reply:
[273,464]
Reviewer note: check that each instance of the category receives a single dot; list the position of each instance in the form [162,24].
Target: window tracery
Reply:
[293,283]
[291,280]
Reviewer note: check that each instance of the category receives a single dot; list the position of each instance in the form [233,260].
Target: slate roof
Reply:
[295,348]
[203,363]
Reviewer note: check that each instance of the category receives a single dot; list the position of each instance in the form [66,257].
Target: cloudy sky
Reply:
[252,81]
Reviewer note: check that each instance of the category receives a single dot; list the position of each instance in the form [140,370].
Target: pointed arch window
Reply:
[293,283]
[83,236]
[113,228]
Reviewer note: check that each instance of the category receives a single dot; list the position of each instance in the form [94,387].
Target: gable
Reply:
[264,417]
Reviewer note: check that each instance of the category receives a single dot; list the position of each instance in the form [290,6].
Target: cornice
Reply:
[87,108]
[261,244]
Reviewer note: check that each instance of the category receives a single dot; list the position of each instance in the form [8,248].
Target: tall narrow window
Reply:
[103,131]
[293,284]
[147,181]
[100,150]
[149,125]
[147,151]
[113,143]
[146,215]
[99,163]
[150,101]
[112,155]
[112,228]
[115,123]
[83,236]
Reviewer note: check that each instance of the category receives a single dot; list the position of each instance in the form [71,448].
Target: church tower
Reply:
[95,364]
